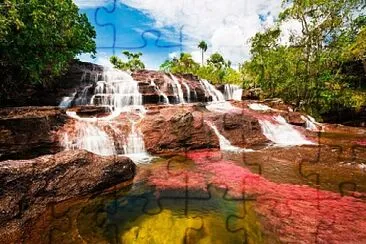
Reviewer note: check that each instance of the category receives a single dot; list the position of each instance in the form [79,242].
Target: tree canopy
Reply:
[309,69]
[133,61]
[39,38]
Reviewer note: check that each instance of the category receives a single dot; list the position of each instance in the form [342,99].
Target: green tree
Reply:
[308,70]
[217,61]
[203,46]
[39,38]
[133,61]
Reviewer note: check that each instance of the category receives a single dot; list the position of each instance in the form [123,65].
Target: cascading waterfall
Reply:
[67,101]
[233,92]
[119,92]
[177,89]
[225,144]
[91,138]
[215,94]
[282,133]
[161,94]
[188,91]
[82,99]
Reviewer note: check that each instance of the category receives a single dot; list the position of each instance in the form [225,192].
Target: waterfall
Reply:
[118,91]
[135,146]
[161,94]
[215,94]
[188,91]
[82,99]
[66,101]
[177,89]
[225,144]
[282,133]
[233,92]
[91,138]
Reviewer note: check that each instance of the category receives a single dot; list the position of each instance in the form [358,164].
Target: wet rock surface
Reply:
[27,186]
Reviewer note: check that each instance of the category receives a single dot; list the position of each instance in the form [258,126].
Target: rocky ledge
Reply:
[28,186]
[27,132]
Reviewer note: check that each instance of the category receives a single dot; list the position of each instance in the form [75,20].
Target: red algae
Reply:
[295,213]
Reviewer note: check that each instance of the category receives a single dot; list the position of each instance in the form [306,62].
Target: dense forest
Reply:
[319,68]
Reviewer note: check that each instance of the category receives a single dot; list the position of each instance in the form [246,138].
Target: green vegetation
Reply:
[310,70]
[133,62]
[217,70]
[39,38]
[313,70]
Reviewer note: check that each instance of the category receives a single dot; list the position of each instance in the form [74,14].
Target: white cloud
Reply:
[227,25]
[173,55]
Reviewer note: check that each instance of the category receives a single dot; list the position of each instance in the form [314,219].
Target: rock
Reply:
[28,186]
[177,129]
[252,94]
[173,129]
[294,118]
[27,132]
[90,111]
[78,74]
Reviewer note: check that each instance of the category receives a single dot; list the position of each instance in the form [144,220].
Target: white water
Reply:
[66,101]
[188,91]
[161,94]
[135,146]
[119,92]
[177,89]
[225,144]
[212,91]
[282,133]
[233,92]
[82,99]
[310,123]
[91,138]
[259,107]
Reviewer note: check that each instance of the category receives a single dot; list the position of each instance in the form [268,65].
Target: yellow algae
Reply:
[167,227]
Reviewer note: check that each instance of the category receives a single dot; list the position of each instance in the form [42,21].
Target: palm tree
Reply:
[203,46]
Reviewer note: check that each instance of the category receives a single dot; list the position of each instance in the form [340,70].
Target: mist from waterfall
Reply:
[232,92]
[282,133]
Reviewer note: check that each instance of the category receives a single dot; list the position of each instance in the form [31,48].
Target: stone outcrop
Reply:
[171,129]
[153,83]
[79,74]
[27,132]
[27,186]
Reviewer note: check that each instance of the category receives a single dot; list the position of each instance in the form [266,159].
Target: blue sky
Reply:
[128,28]
[226,25]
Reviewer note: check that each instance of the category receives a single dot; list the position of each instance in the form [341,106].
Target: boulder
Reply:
[174,129]
[252,94]
[27,132]
[28,186]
